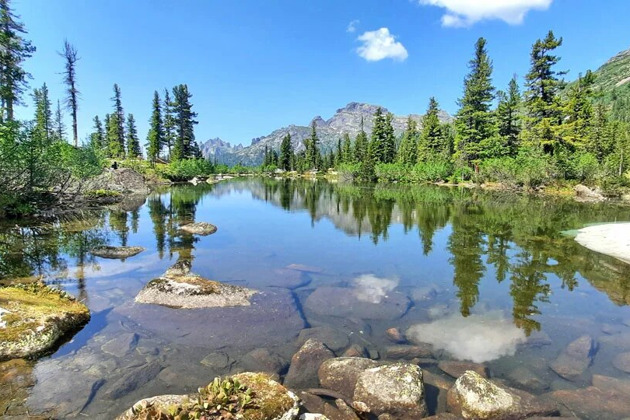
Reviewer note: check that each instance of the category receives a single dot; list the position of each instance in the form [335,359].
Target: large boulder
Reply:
[474,397]
[117,252]
[592,403]
[333,339]
[34,317]
[258,398]
[572,363]
[395,391]
[585,194]
[187,290]
[341,373]
[122,180]
[305,363]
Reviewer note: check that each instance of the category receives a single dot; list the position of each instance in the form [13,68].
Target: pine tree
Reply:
[133,142]
[347,156]
[70,56]
[14,49]
[407,153]
[155,137]
[114,146]
[59,127]
[578,112]
[509,117]
[600,141]
[286,153]
[431,142]
[184,146]
[43,114]
[118,117]
[474,121]
[313,155]
[169,123]
[361,145]
[542,102]
[97,138]
[338,158]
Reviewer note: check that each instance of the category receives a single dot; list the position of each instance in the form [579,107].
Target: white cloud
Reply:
[461,13]
[372,289]
[352,26]
[379,45]
[479,337]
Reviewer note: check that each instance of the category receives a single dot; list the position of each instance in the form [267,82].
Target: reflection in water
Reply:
[372,289]
[480,337]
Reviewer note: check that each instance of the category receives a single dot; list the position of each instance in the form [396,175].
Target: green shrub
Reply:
[185,169]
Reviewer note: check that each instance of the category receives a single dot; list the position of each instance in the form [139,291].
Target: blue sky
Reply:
[257,65]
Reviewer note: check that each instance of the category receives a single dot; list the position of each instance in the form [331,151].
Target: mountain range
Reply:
[345,120]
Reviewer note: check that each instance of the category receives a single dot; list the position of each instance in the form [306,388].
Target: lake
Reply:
[490,277]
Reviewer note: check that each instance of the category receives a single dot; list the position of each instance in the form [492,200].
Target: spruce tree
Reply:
[184,146]
[431,142]
[376,149]
[286,153]
[474,121]
[155,137]
[313,155]
[169,123]
[407,153]
[59,127]
[97,138]
[339,155]
[114,146]
[71,57]
[118,117]
[509,118]
[43,114]
[389,140]
[14,49]
[542,101]
[578,112]
[133,142]
[361,145]
[347,156]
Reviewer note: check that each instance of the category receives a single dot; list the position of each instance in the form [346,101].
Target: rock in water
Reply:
[584,193]
[199,228]
[270,401]
[622,362]
[305,364]
[457,368]
[575,359]
[178,290]
[395,335]
[333,339]
[341,373]
[117,252]
[134,380]
[592,403]
[474,397]
[34,317]
[395,390]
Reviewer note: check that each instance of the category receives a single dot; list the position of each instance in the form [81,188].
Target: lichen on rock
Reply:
[35,317]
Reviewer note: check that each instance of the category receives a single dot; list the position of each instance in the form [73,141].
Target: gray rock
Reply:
[281,277]
[347,302]
[341,411]
[395,335]
[607,383]
[305,363]
[133,380]
[117,252]
[474,397]
[311,402]
[332,338]
[199,228]
[584,193]
[591,403]
[572,363]
[395,390]
[355,350]
[622,362]
[456,368]
[122,180]
[262,360]
[216,361]
[423,294]
[524,377]
[121,345]
[423,350]
[341,374]
[439,381]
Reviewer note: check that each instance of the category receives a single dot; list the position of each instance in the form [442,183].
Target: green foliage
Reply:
[186,169]
[432,171]
[155,137]
[286,153]
[529,169]
[382,147]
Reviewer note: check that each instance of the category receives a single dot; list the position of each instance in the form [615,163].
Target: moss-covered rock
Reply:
[34,317]
[248,396]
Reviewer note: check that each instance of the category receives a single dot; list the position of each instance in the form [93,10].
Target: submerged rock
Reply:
[262,360]
[333,339]
[622,362]
[592,403]
[134,380]
[117,252]
[456,368]
[341,373]
[395,335]
[474,397]
[179,289]
[199,228]
[395,390]
[269,400]
[572,363]
[35,317]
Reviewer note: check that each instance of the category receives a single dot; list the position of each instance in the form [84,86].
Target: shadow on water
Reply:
[98,321]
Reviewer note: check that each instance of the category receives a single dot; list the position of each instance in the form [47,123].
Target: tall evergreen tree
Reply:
[542,101]
[43,114]
[114,146]
[286,153]
[407,153]
[339,155]
[313,155]
[59,127]
[155,137]
[169,123]
[185,145]
[71,57]
[432,138]
[97,138]
[578,112]
[347,156]
[133,142]
[509,117]
[14,49]
[474,121]
[361,145]
[382,147]
[118,117]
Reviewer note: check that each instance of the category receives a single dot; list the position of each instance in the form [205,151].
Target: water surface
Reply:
[488,277]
